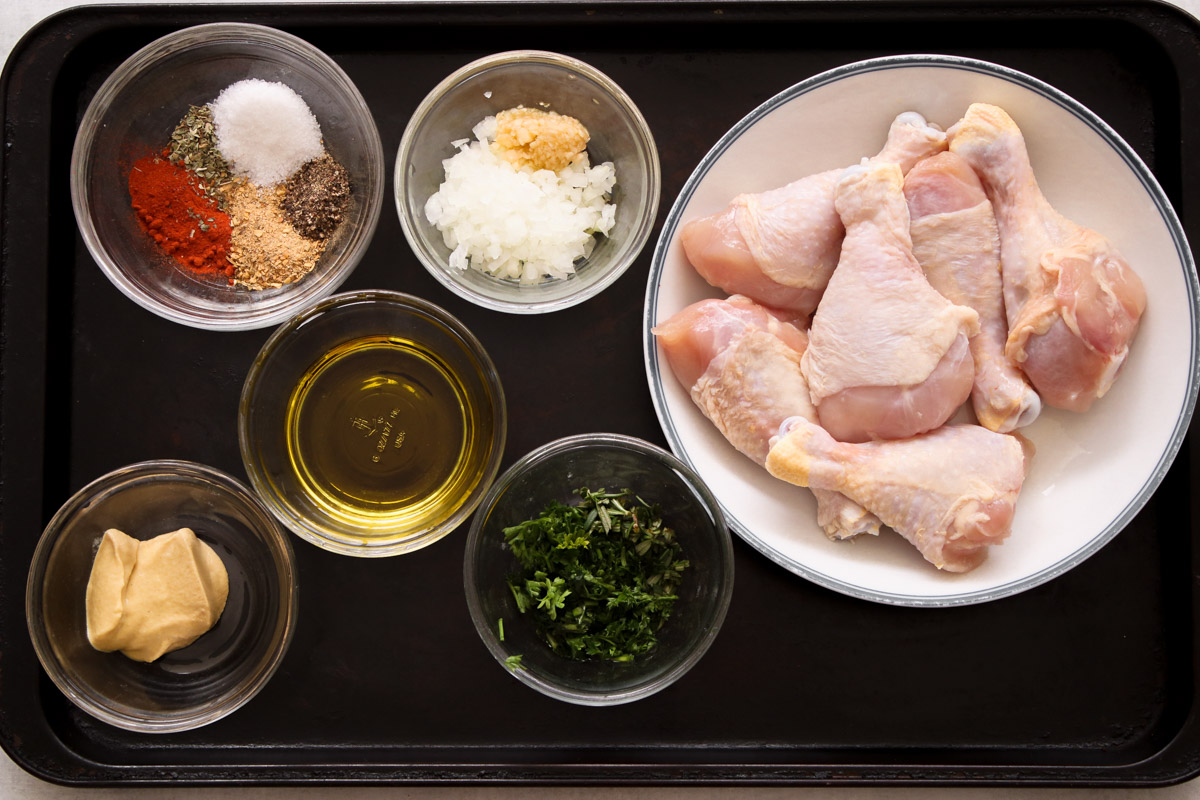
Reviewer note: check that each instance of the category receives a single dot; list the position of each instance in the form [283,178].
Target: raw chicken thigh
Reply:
[1073,303]
[741,364]
[951,492]
[779,247]
[955,240]
[888,356]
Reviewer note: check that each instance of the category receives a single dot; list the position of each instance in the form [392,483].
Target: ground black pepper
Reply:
[316,196]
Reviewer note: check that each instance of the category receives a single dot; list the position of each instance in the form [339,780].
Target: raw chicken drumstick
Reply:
[1073,303]
[741,365]
[779,247]
[956,242]
[951,493]
[888,356]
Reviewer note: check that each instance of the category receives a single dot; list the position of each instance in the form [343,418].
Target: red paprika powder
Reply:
[186,225]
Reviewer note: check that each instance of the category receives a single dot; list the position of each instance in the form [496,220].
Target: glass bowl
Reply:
[554,472]
[134,113]
[372,423]
[553,82]
[220,671]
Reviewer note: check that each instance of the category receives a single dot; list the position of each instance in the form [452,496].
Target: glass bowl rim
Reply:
[34,590]
[636,243]
[148,56]
[356,546]
[583,441]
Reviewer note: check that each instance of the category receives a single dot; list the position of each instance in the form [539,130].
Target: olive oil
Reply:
[382,434]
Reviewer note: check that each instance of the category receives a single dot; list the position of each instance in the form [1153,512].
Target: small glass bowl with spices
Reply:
[124,644]
[527,181]
[598,569]
[226,175]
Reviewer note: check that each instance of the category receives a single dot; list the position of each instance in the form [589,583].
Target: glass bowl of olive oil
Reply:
[372,423]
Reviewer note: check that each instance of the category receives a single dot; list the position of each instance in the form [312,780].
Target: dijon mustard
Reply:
[149,598]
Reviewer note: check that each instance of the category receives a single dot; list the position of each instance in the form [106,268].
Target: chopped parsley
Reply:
[599,578]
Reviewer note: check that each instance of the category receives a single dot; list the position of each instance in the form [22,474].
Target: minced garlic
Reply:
[530,137]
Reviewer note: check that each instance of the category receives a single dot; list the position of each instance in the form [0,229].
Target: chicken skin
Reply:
[956,242]
[951,492]
[888,356]
[741,365]
[1073,303]
[779,247]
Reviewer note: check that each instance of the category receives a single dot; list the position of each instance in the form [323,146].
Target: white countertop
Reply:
[17,17]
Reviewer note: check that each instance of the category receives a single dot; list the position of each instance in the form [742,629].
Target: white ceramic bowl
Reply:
[1093,472]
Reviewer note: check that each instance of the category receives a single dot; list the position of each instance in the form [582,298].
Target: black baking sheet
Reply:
[1089,679]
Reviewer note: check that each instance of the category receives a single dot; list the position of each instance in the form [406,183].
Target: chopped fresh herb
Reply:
[514,663]
[500,626]
[600,578]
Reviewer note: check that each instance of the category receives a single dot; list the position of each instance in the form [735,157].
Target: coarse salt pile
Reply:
[519,224]
[265,130]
